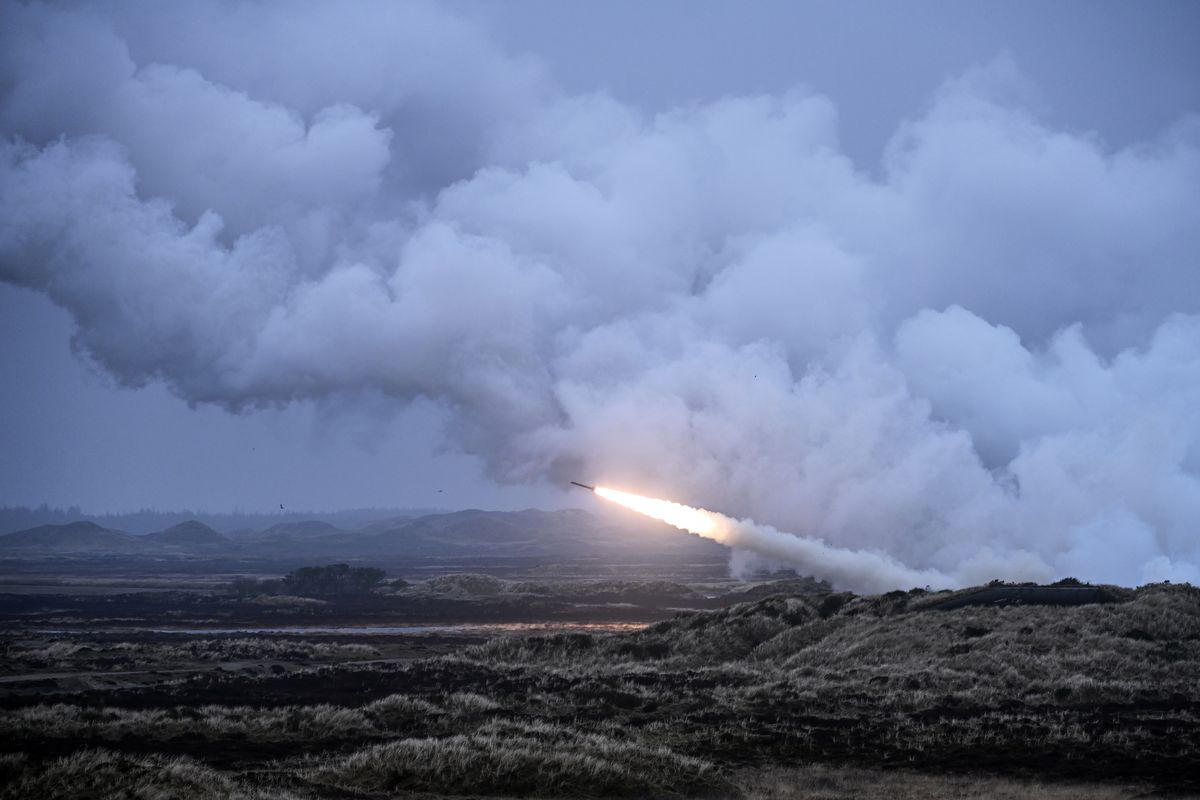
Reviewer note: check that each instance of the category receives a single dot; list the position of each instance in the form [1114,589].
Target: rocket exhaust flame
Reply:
[859,570]
[694,520]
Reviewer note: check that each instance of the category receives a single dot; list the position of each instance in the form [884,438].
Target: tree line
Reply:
[330,581]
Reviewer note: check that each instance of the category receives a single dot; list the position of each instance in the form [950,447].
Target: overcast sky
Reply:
[76,429]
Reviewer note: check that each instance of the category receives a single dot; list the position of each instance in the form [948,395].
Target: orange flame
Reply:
[694,520]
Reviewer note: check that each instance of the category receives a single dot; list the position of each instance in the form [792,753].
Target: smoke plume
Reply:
[842,567]
[980,360]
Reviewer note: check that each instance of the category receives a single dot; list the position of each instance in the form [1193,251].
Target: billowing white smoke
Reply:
[843,567]
[984,360]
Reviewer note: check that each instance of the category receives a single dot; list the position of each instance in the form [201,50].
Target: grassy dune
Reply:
[791,696]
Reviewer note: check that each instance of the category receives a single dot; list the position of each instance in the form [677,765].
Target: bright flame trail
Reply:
[695,520]
[858,570]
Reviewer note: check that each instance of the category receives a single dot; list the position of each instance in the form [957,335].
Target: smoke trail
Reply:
[857,570]
[981,359]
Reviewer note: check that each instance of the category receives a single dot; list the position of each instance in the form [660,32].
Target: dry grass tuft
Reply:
[93,774]
[844,783]
[540,760]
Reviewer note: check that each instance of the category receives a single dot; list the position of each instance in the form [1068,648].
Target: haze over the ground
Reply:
[956,322]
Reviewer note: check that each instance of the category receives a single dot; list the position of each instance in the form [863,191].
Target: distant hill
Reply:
[514,532]
[21,518]
[531,533]
[188,534]
[388,523]
[74,537]
[303,530]
[567,533]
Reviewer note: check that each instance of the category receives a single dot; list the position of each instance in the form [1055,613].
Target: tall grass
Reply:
[390,715]
[524,760]
[96,774]
[900,651]
[832,783]
[39,653]
[672,708]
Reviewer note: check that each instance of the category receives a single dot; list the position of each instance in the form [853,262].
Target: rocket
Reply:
[583,486]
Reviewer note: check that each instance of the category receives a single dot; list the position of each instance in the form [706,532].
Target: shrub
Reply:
[90,774]
[334,580]
[832,604]
[537,760]
[465,585]
[471,703]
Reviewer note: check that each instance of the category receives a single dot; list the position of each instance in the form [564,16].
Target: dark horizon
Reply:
[146,520]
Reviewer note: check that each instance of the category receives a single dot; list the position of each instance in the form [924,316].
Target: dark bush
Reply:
[335,580]
[644,650]
[832,604]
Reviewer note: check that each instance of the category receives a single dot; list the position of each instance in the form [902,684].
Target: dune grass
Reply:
[538,760]
[820,782]
[736,703]
[93,774]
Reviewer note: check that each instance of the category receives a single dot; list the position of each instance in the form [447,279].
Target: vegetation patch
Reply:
[693,705]
[820,782]
[91,774]
[525,760]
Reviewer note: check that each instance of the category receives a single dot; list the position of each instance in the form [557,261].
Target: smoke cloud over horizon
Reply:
[980,359]
[754,544]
